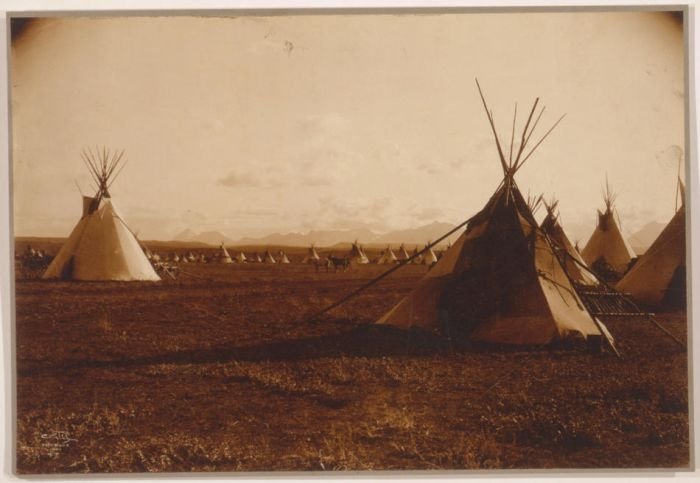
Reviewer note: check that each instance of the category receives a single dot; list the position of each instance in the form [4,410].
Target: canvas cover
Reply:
[269,258]
[224,256]
[608,244]
[357,255]
[572,260]
[402,254]
[101,247]
[387,256]
[429,257]
[312,256]
[501,282]
[658,277]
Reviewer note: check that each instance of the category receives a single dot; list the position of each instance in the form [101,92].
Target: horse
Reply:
[337,262]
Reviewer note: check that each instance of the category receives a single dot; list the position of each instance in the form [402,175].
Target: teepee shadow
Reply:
[370,341]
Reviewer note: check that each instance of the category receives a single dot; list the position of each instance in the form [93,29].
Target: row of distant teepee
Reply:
[428,257]
[223,256]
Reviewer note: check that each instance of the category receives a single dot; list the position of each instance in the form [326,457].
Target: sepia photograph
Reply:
[440,239]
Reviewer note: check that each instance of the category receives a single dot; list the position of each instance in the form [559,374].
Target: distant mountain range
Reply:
[327,238]
[209,237]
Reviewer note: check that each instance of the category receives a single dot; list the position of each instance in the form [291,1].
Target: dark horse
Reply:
[336,262]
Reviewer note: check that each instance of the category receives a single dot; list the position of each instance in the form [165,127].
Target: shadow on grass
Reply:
[370,341]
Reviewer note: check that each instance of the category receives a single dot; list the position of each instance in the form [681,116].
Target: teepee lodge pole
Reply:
[493,129]
[649,316]
[598,324]
[401,263]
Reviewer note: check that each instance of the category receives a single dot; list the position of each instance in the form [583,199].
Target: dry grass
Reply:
[220,372]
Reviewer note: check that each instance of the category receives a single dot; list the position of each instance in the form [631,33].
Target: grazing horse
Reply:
[337,262]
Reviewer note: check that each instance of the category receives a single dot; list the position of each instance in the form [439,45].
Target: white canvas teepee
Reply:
[101,246]
[402,254]
[502,281]
[268,258]
[573,262]
[418,259]
[223,256]
[608,247]
[658,277]
[357,254]
[387,257]
[282,257]
[429,257]
[241,258]
[312,255]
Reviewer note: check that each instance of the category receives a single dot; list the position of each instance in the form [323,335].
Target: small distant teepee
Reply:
[268,258]
[417,259]
[241,258]
[101,246]
[312,255]
[403,254]
[387,256]
[608,249]
[282,257]
[224,256]
[429,257]
[357,254]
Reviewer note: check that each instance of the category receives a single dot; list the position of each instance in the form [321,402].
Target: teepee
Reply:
[101,246]
[282,257]
[268,258]
[502,281]
[403,254]
[387,256]
[357,254]
[573,263]
[241,258]
[429,257]
[658,277]
[223,255]
[312,255]
[608,249]
[418,259]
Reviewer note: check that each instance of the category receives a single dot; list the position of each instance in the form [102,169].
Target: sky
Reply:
[254,125]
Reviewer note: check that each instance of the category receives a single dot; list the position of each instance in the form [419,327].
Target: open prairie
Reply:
[218,370]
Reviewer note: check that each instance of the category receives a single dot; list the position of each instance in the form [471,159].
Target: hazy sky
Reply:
[251,125]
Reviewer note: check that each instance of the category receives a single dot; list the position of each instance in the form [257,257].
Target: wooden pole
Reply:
[648,316]
[512,136]
[573,286]
[540,142]
[387,273]
[522,138]
[493,128]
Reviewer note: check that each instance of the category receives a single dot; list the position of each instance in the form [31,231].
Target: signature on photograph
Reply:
[54,441]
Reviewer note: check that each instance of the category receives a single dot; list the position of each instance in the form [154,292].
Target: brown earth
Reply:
[219,371]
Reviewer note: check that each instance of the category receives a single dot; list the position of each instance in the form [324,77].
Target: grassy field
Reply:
[219,371]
